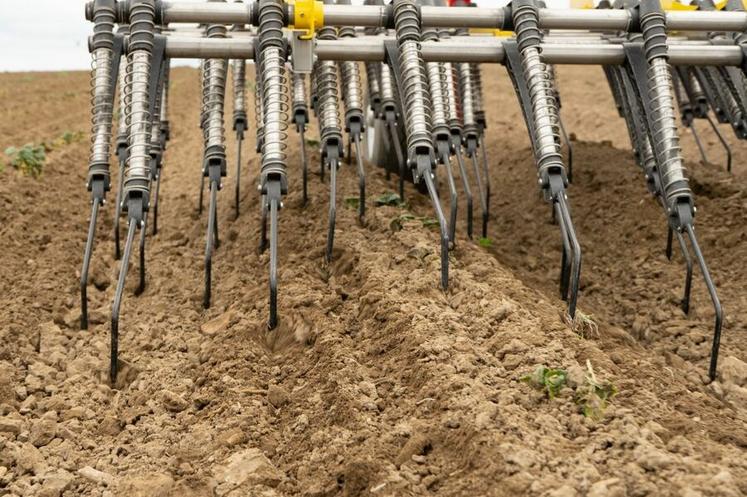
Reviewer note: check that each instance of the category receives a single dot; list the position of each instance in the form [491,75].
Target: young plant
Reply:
[582,325]
[593,395]
[28,159]
[549,380]
[485,242]
[388,199]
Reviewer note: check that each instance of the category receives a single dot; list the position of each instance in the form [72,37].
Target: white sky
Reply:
[51,35]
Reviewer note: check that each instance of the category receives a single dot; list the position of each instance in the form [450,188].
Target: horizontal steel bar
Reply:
[460,17]
[488,50]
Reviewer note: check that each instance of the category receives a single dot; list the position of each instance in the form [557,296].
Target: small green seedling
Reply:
[352,202]
[69,137]
[594,395]
[388,199]
[485,242]
[397,223]
[312,143]
[429,222]
[550,380]
[28,159]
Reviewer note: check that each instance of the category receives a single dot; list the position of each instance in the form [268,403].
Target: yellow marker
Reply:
[674,5]
[308,15]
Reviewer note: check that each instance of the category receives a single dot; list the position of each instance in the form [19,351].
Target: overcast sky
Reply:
[51,35]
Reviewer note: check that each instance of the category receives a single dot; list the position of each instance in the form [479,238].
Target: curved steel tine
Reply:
[239,139]
[465,185]
[483,205]
[486,172]
[263,225]
[685,304]
[575,276]
[443,149]
[202,193]
[698,143]
[668,250]
[568,146]
[118,204]
[722,140]
[401,163]
[141,285]
[361,179]
[333,161]
[274,207]
[350,150]
[86,264]
[155,199]
[443,227]
[117,304]
[565,261]
[714,299]
[210,244]
[304,165]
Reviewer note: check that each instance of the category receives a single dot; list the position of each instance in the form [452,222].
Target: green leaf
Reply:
[312,143]
[397,223]
[429,222]
[353,202]
[485,242]
[11,151]
[388,199]
[550,380]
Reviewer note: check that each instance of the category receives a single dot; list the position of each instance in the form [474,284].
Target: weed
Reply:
[352,202]
[593,395]
[28,159]
[549,380]
[396,224]
[312,143]
[388,199]
[429,222]
[582,324]
[485,242]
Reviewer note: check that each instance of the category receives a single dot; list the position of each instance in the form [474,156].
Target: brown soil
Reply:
[376,382]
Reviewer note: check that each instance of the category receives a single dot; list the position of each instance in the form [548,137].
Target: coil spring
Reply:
[544,106]
[372,78]
[736,107]
[138,120]
[239,88]
[416,100]
[452,97]
[203,86]
[102,103]
[299,91]
[666,141]
[164,103]
[327,91]
[436,75]
[387,85]
[154,147]
[122,122]
[213,98]
[477,105]
[275,111]
[258,110]
[468,101]
[351,84]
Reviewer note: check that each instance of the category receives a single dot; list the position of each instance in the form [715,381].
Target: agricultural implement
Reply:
[418,113]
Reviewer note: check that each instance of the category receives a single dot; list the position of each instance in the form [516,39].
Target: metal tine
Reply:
[273,208]
[213,97]
[239,122]
[332,161]
[568,146]
[574,275]
[723,141]
[106,50]
[352,97]
[457,144]
[442,146]
[416,108]
[118,294]
[158,142]
[482,125]
[122,149]
[122,157]
[301,119]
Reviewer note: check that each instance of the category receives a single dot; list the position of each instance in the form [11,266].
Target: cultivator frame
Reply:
[423,106]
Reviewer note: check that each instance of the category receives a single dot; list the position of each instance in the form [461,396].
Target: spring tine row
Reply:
[425,108]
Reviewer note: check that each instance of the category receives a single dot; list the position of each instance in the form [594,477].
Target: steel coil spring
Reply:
[102,103]
[735,105]
[327,91]
[154,147]
[213,97]
[258,110]
[275,111]
[164,103]
[121,121]
[203,86]
[452,97]
[372,78]
[351,85]
[479,110]
[299,91]
[239,87]
[664,132]
[468,101]
[544,106]
[387,85]
[138,120]
[416,100]
[436,77]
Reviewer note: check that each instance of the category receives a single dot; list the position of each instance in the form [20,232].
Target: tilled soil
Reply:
[376,382]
